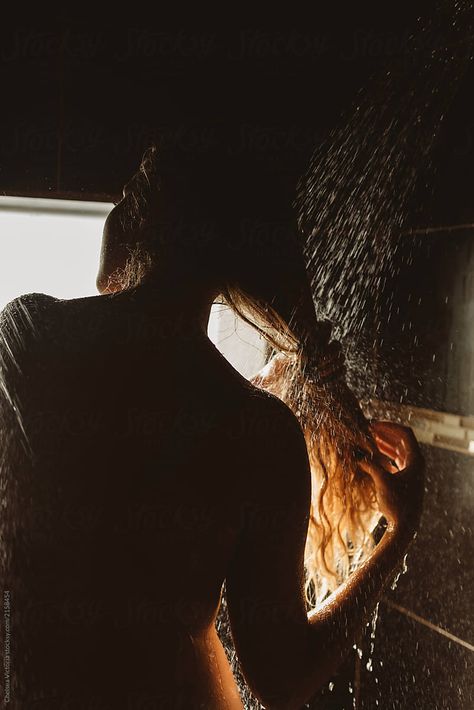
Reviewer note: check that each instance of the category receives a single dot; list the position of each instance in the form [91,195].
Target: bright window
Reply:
[53,246]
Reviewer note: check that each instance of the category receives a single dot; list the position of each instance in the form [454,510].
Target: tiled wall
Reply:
[442,429]
[430,363]
[425,634]
[422,656]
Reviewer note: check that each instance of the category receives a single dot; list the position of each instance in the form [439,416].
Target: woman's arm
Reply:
[286,654]
[337,624]
[397,472]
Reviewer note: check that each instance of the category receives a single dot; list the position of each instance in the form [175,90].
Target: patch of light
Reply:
[49,246]
[53,247]
[238,341]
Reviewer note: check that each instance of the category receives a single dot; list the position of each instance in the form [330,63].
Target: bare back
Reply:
[130,512]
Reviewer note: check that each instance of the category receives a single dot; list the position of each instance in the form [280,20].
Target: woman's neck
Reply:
[169,291]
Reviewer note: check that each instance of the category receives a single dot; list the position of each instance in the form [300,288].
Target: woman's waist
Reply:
[163,665]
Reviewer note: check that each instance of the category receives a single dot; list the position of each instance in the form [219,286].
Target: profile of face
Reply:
[200,233]
[128,224]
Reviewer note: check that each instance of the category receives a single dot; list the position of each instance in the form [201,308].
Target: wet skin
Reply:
[158,473]
[145,431]
[140,431]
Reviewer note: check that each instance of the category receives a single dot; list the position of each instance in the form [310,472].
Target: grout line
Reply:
[427,623]
[433,230]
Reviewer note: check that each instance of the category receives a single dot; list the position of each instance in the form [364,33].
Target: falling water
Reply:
[15,322]
[403,570]
[354,202]
[373,629]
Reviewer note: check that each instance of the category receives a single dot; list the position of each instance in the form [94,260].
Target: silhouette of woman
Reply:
[139,470]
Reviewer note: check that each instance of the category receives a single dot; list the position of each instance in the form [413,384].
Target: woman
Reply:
[140,470]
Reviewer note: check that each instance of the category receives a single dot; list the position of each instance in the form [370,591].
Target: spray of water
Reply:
[354,203]
[355,200]
[17,327]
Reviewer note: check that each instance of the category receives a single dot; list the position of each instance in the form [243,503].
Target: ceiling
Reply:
[82,101]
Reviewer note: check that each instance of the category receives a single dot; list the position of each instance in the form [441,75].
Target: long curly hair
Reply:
[306,371]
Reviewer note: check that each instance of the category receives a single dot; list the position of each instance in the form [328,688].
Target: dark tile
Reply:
[341,692]
[439,583]
[414,668]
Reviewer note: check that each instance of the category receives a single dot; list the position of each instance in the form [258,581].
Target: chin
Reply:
[106,284]
[101,286]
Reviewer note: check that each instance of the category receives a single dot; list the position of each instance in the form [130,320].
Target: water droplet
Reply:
[393,586]
[404,565]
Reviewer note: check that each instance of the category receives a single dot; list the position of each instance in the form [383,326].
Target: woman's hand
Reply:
[397,469]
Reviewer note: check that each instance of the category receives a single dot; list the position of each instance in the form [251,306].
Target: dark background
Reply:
[82,100]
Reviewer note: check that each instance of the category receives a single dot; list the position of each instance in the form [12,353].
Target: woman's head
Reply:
[214,217]
[150,224]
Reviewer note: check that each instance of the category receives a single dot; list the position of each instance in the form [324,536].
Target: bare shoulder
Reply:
[277,448]
[22,320]
[25,307]
[41,324]
[276,417]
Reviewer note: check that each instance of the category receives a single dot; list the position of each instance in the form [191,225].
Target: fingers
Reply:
[386,442]
[386,447]
[377,458]
[392,433]
[387,462]
[397,442]
[388,432]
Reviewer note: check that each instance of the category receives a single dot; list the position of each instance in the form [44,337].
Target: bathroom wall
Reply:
[427,350]
[423,654]
[81,104]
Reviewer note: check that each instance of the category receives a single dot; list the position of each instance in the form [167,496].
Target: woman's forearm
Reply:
[336,625]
